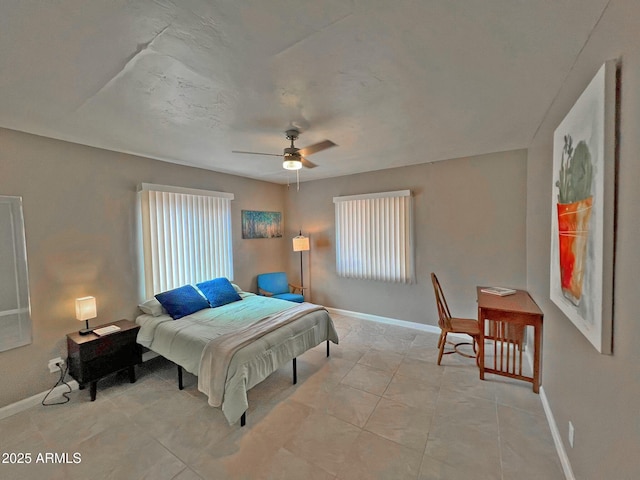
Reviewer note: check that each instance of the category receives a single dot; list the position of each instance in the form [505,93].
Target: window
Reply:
[186,236]
[374,236]
[15,315]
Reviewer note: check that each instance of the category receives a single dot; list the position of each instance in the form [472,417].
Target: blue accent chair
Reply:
[275,285]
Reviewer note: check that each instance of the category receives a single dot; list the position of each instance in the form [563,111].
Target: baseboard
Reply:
[387,320]
[557,438]
[22,405]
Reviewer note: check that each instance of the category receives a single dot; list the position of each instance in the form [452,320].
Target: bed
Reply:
[233,347]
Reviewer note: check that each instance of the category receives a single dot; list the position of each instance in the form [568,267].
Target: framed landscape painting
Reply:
[582,227]
[256,224]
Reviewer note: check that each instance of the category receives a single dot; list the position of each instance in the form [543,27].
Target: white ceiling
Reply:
[391,82]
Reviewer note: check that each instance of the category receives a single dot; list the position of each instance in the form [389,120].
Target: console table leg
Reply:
[537,349]
[481,346]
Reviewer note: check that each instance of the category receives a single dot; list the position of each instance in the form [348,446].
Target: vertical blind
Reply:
[374,236]
[186,236]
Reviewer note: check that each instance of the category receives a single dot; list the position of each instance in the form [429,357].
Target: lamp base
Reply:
[85,331]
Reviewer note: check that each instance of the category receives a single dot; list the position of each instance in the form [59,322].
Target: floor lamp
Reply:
[301,244]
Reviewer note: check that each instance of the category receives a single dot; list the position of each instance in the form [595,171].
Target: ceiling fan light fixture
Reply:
[294,158]
[290,164]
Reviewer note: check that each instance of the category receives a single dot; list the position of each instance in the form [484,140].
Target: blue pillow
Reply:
[182,301]
[219,291]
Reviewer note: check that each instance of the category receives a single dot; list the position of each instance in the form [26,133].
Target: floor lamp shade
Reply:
[300,244]
[86,309]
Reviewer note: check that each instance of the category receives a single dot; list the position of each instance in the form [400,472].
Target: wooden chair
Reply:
[449,324]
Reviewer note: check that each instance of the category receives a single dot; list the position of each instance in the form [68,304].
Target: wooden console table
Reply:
[504,320]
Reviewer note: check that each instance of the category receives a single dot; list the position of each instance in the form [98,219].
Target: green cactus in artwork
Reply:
[576,172]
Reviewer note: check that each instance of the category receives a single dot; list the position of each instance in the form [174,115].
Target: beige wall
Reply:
[600,394]
[80,222]
[469,229]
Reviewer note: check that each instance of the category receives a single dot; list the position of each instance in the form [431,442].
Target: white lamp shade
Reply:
[292,164]
[300,243]
[86,308]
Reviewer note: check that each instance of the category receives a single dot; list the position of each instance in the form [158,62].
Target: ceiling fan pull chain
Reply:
[298,179]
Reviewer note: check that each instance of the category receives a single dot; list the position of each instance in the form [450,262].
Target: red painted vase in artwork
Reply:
[573,230]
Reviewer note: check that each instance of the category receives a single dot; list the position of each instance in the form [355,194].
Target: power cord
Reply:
[60,381]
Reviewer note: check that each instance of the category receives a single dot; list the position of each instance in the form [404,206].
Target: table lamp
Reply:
[86,309]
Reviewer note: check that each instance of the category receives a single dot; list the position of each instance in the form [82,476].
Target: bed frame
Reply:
[243,419]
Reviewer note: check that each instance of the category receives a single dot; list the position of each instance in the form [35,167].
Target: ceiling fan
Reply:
[295,158]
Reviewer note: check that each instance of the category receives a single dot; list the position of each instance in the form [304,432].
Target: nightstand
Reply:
[91,357]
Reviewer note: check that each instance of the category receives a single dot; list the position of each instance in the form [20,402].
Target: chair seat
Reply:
[291,297]
[465,325]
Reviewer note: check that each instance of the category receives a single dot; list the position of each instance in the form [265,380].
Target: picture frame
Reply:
[261,224]
[583,210]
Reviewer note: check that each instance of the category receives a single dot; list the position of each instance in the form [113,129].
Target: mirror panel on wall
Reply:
[15,312]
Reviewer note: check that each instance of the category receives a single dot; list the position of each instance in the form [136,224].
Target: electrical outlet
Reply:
[571,434]
[53,364]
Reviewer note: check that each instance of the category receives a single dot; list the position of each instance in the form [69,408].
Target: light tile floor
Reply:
[378,408]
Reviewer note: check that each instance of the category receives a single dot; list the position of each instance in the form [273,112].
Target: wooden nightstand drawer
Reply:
[108,345]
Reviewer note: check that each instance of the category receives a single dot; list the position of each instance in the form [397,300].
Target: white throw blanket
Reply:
[218,353]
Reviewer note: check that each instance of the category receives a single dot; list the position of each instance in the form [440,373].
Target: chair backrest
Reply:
[444,315]
[275,282]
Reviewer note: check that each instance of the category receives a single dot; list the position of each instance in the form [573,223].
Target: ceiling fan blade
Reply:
[257,153]
[307,163]
[317,147]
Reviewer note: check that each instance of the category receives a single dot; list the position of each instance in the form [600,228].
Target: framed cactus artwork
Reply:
[583,210]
